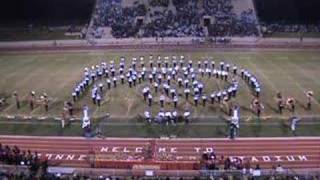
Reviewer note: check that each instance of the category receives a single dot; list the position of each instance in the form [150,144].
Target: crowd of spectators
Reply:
[184,22]
[162,3]
[15,156]
[110,13]
[210,161]
[184,19]
[283,27]
[227,23]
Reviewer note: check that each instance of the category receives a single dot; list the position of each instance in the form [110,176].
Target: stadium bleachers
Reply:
[172,18]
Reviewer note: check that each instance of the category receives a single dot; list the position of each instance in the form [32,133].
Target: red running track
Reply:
[169,154]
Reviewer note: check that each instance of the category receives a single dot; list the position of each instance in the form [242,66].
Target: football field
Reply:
[291,72]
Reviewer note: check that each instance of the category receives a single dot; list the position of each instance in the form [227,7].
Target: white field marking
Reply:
[40,106]
[14,104]
[282,57]
[290,79]
[315,80]
[244,58]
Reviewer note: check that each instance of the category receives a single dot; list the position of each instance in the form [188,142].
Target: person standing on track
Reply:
[294,120]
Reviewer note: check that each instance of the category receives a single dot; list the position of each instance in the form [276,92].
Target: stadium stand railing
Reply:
[153,174]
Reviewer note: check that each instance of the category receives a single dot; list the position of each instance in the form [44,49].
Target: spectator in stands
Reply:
[279,169]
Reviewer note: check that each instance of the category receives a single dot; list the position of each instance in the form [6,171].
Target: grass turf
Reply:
[252,129]
[291,72]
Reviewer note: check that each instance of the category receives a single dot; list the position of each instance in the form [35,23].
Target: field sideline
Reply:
[291,72]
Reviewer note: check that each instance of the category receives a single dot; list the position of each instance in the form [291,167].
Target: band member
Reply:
[159,63]
[235,70]
[32,99]
[156,85]
[257,91]
[46,102]
[70,108]
[222,66]
[219,96]
[208,71]
[134,80]
[212,64]
[172,92]
[143,75]
[159,78]
[166,88]
[190,64]
[187,92]
[180,82]
[122,78]
[93,75]
[174,117]
[242,73]
[257,106]
[212,97]
[93,97]
[168,117]
[280,103]
[181,63]
[77,89]
[205,64]
[175,101]
[228,67]
[186,116]
[100,87]
[130,82]
[196,98]
[147,115]
[200,87]
[149,99]
[145,92]
[151,64]
[174,63]
[204,99]
[291,104]
[98,99]
[162,99]
[114,81]
[169,79]
[309,95]
[17,99]
[109,83]
[106,73]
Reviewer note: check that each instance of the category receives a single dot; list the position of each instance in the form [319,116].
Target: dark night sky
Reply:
[292,11]
[45,10]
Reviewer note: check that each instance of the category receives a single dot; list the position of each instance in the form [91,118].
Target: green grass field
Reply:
[291,72]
